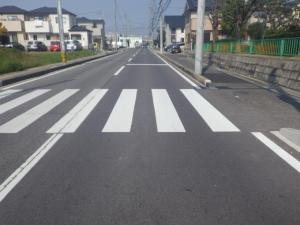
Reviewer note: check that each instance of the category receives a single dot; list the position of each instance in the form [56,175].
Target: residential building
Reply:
[83,35]
[12,18]
[190,13]
[174,29]
[96,26]
[42,24]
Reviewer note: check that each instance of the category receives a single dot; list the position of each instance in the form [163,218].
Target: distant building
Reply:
[12,18]
[174,29]
[130,41]
[96,26]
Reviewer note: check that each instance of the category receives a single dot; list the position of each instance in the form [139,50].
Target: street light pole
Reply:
[115,18]
[61,31]
[200,37]
[161,34]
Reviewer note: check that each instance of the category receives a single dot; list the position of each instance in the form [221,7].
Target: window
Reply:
[26,37]
[182,39]
[35,37]
[48,37]
[182,30]
[12,18]
[40,18]
[64,19]
[94,25]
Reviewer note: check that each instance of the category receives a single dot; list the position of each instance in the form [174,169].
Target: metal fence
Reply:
[275,47]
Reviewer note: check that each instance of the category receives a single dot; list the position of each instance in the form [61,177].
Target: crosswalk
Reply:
[121,117]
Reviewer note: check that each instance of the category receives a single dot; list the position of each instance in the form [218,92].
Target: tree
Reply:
[214,14]
[236,15]
[4,39]
[3,30]
[256,30]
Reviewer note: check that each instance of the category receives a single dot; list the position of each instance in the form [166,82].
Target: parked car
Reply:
[36,46]
[73,45]
[168,48]
[55,46]
[175,49]
[15,45]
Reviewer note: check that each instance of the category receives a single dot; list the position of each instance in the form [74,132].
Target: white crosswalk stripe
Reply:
[22,121]
[7,93]
[73,119]
[21,100]
[213,117]
[167,119]
[120,119]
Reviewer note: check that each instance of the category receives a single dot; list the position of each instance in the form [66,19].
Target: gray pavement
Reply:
[171,156]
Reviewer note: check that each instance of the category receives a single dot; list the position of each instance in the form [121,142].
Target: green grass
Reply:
[12,60]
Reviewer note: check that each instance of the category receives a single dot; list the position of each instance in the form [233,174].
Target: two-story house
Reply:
[96,26]
[174,29]
[42,24]
[190,13]
[12,18]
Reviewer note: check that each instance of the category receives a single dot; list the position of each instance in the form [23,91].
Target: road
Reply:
[129,140]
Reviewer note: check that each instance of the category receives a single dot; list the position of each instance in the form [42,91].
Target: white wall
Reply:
[68,22]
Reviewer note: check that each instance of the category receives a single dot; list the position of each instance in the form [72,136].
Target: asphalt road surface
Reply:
[128,140]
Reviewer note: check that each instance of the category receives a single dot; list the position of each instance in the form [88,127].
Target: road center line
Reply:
[293,162]
[119,71]
[7,186]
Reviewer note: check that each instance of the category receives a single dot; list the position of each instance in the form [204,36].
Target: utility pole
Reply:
[161,28]
[115,16]
[200,37]
[61,32]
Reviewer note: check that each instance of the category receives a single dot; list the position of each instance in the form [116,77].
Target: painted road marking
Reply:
[7,93]
[145,64]
[285,140]
[22,121]
[119,71]
[213,117]
[129,60]
[73,119]
[21,100]
[120,119]
[167,119]
[293,162]
[179,73]
[7,186]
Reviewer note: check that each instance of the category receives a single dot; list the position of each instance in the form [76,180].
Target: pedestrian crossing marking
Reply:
[22,121]
[73,119]
[120,119]
[7,93]
[167,119]
[213,117]
[21,100]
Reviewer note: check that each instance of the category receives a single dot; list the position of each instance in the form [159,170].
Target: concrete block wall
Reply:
[283,72]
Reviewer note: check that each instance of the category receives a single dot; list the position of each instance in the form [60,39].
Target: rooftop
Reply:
[175,21]
[86,20]
[79,29]
[48,10]
[10,9]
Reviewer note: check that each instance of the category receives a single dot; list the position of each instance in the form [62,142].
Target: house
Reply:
[96,26]
[12,18]
[42,24]
[190,14]
[83,35]
[174,29]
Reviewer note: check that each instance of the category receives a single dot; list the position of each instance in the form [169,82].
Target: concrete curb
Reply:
[14,77]
[203,80]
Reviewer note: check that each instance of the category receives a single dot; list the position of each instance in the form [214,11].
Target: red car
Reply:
[55,46]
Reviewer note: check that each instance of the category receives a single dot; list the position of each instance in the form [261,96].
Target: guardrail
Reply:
[274,47]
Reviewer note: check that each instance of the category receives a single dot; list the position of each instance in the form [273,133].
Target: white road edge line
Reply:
[179,73]
[119,71]
[293,162]
[8,185]
[285,140]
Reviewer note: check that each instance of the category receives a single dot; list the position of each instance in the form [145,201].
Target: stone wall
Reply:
[284,72]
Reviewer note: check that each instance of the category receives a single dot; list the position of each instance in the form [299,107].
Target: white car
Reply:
[73,45]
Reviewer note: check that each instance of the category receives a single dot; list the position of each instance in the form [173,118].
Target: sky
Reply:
[136,12]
